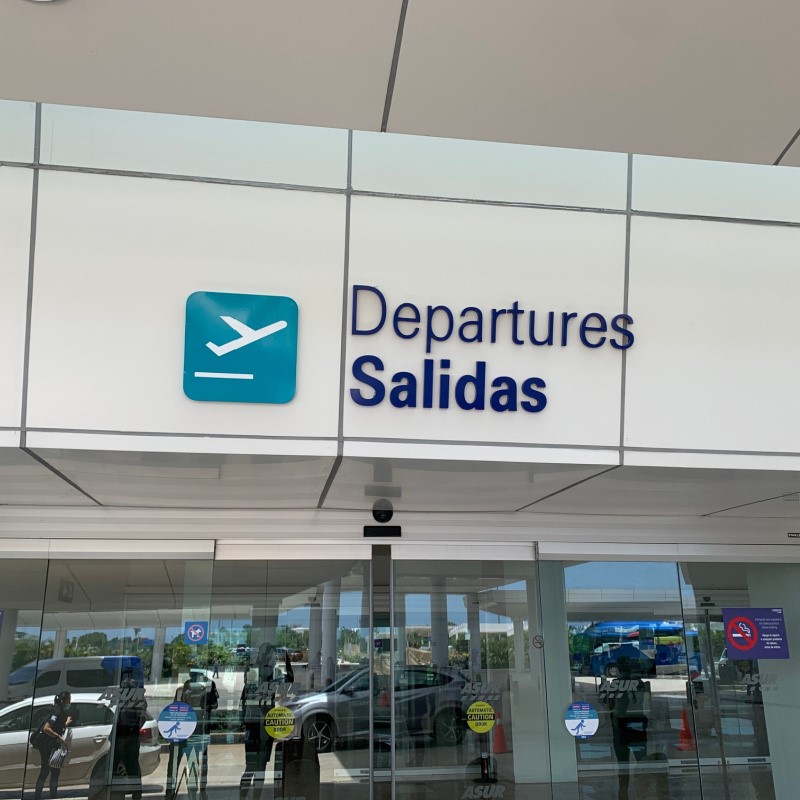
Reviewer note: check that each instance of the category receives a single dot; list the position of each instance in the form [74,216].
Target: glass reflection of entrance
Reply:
[398,678]
[276,671]
[467,695]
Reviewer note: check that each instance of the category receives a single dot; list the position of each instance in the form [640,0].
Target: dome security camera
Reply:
[382,511]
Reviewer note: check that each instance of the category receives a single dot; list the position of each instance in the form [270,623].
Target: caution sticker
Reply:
[480,717]
[279,722]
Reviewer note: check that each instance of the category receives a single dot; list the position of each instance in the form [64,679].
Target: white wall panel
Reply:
[116,259]
[488,171]
[714,366]
[16,186]
[474,255]
[17,122]
[218,148]
[716,189]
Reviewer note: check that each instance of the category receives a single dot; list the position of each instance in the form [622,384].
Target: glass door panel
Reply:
[467,685]
[290,656]
[744,705]
[623,729]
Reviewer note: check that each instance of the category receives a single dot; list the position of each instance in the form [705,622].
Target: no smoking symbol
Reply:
[742,633]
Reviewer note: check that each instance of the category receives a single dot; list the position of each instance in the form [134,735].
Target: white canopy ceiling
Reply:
[712,80]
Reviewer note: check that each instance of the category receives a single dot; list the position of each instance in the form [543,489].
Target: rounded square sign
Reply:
[240,348]
[195,633]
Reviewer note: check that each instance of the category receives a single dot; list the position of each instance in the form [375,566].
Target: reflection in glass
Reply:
[292,642]
[628,656]
[469,714]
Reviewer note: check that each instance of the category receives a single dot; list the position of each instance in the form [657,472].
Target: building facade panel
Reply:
[716,303]
[16,187]
[128,253]
[487,269]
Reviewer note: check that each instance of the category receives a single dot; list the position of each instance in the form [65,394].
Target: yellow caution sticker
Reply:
[279,722]
[480,717]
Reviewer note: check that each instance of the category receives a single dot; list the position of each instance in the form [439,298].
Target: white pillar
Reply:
[519,644]
[157,661]
[330,629]
[439,642]
[364,622]
[474,629]
[60,646]
[775,586]
[315,644]
[553,661]
[400,631]
[7,633]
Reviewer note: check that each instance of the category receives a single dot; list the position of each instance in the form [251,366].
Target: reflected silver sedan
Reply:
[90,748]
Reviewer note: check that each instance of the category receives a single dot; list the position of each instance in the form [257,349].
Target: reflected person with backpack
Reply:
[129,716]
[203,697]
[51,743]
[629,704]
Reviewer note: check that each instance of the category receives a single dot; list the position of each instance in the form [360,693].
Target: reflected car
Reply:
[50,676]
[428,703]
[88,762]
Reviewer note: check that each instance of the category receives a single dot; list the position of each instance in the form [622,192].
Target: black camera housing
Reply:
[382,511]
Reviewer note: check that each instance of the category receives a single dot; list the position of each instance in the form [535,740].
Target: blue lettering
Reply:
[477,323]
[504,398]
[413,319]
[565,318]
[430,334]
[529,389]
[404,395]
[354,329]
[478,384]
[587,327]
[379,392]
[619,324]
[427,383]
[444,384]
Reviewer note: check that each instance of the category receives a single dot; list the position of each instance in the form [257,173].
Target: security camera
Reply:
[382,511]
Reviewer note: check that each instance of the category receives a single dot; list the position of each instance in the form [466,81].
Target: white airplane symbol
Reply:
[247,335]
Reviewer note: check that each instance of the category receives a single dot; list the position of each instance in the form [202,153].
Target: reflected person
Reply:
[258,697]
[129,716]
[50,739]
[203,697]
[629,703]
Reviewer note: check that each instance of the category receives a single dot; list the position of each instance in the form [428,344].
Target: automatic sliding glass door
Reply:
[467,692]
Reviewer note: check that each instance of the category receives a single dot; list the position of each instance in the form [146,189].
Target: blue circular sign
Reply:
[195,632]
[177,722]
[581,720]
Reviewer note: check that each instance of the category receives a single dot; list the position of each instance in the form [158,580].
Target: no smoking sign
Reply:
[754,633]
[742,633]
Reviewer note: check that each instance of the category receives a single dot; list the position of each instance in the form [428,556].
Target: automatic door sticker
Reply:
[581,720]
[279,722]
[480,717]
[177,722]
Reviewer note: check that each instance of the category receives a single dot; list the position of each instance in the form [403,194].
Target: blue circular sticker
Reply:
[177,722]
[581,720]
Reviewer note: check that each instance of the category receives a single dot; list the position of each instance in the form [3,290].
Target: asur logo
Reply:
[494,792]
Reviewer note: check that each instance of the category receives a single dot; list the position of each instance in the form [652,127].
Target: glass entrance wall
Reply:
[677,680]
[379,679]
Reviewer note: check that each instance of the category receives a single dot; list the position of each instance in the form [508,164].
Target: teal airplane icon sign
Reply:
[240,348]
